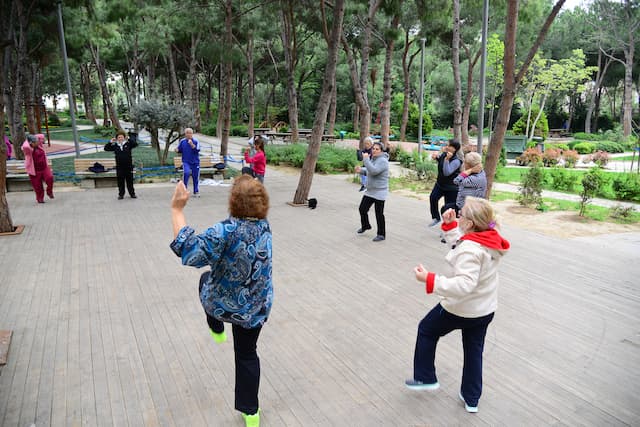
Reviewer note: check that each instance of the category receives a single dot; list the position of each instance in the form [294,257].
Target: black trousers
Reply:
[436,194]
[365,205]
[246,360]
[125,175]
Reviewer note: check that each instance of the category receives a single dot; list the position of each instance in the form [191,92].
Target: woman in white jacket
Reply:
[469,297]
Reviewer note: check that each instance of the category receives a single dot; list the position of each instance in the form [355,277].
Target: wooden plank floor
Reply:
[108,330]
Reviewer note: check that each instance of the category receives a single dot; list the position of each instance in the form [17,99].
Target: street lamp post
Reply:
[421,103]
[63,48]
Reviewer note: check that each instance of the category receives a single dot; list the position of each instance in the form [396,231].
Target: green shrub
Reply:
[209,129]
[330,159]
[592,183]
[104,130]
[562,180]
[610,146]
[53,119]
[584,147]
[587,136]
[531,187]
[542,125]
[239,130]
[557,146]
[627,187]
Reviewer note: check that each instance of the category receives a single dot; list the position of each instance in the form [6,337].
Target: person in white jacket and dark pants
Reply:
[468,291]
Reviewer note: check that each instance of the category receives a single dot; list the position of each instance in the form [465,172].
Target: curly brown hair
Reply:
[121,132]
[248,198]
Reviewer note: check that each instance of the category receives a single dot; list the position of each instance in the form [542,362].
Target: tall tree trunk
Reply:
[309,165]
[627,103]
[251,86]
[173,76]
[30,76]
[469,95]
[455,62]
[18,67]
[333,111]
[511,81]
[406,66]
[85,83]
[360,81]
[602,71]
[6,224]
[102,79]
[228,76]
[289,44]
[192,87]
[385,111]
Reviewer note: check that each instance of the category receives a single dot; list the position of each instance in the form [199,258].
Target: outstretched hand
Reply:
[421,273]
[449,216]
[180,196]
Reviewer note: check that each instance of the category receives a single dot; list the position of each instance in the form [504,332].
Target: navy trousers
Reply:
[438,323]
[436,194]
[246,360]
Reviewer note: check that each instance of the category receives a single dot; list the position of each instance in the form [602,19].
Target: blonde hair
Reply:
[480,212]
[472,159]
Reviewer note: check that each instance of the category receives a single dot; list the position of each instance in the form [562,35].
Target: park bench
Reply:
[260,131]
[96,180]
[17,178]
[559,133]
[209,167]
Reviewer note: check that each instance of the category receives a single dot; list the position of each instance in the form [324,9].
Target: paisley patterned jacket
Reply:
[239,289]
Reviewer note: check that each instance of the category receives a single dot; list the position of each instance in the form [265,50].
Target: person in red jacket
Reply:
[258,160]
[37,166]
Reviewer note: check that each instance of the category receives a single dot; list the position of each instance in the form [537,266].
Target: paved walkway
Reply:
[108,329]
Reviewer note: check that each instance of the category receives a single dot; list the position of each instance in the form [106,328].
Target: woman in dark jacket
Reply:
[449,162]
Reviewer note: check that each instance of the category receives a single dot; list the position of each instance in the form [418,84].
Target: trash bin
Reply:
[342,134]
[539,143]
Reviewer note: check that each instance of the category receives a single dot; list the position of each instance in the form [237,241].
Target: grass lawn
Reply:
[65,134]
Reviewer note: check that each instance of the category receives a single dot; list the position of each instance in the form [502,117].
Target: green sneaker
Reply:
[252,420]
[219,337]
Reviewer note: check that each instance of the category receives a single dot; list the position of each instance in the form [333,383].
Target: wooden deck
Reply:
[108,330]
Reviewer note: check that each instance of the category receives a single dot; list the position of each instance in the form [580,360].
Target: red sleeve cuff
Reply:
[431,281]
[450,226]
[464,175]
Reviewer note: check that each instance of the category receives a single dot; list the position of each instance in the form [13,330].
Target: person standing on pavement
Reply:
[189,147]
[37,166]
[449,162]
[368,143]
[238,288]
[468,291]
[377,170]
[259,160]
[124,162]
[472,181]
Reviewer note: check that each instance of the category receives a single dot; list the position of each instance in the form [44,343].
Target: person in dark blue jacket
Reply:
[189,147]
[449,162]
[124,162]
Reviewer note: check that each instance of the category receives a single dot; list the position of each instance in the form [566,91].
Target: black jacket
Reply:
[124,160]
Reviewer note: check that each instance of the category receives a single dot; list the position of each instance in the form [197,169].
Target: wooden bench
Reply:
[260,131]
[96,180]
[207,167]
[559,133]
[17,178]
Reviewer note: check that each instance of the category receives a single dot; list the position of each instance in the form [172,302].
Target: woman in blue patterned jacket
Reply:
[238,289]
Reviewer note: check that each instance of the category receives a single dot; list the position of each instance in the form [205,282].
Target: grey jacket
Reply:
[377,171]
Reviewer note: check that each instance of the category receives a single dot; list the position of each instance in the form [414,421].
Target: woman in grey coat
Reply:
[376,168]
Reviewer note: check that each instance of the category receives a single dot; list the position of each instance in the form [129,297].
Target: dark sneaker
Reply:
[120,197]
[471,409]
[378,238]
[434,222]
[133,196]
[419,385]
[362,188]
[363,229]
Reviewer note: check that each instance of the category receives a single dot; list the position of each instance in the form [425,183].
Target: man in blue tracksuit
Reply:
[189,147]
